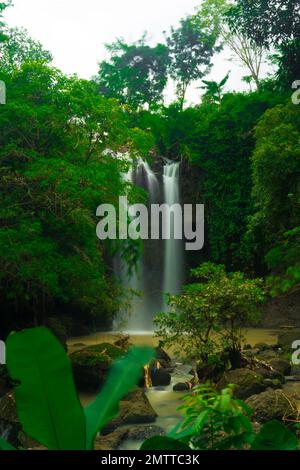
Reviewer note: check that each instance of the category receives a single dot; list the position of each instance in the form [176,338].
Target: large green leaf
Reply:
[47,403]
[5,445]
[275,436]
[123,375]
[163,443]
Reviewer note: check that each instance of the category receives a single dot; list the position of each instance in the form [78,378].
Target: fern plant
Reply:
[217,421]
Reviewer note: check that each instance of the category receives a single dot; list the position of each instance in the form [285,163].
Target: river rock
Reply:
[248,382]
[275,384]
[287,338]
[181,387]
[135,408]
[161,354]
[9,422]
[272,374]
[281,365]
[262,346]
[111,441]
[273,404]
[90,365]
[141,433]
[267,354]
[160,377]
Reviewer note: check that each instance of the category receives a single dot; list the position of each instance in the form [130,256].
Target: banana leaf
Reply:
[47,403]
[123,376]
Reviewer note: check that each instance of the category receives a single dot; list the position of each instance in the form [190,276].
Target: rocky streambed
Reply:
[268,382]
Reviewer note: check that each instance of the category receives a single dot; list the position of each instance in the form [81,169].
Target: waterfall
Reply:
[160,268]
[147,302]
[173,265]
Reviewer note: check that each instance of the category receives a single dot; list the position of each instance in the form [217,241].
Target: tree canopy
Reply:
[191,47]
[136,74]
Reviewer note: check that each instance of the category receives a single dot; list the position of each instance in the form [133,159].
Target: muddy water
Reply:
[252,335]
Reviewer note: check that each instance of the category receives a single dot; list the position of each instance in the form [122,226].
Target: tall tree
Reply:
[53,175]
[267,22]
[136,74]
[288,61]
[271,24]
[275,225]
[19,48]
[245,50]
[191,46]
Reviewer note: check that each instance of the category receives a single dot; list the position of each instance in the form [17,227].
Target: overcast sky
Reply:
[75,31]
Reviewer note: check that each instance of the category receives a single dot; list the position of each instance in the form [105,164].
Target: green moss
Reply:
[100,353]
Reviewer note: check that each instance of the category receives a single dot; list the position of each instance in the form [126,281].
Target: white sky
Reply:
[75,31]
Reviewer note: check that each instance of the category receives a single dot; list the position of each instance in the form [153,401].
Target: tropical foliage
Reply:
[210,313]
[47,402]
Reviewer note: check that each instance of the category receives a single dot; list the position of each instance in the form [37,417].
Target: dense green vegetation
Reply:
[217,421]
[208,317]
[47,403]
[240,152]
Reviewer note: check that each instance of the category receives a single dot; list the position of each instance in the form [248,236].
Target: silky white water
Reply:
[173,266]
[161,267]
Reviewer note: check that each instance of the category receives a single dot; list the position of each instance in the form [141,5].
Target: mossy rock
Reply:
[135,408]
[272,374]
[90,365]
[163,357]
[262,346]
[247,382]
[273,404]
[281,365]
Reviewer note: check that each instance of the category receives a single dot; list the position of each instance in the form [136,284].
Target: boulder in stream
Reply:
[248,382]
[111,441]
[141,433]
[160,377]
[161,354]
[90,365]
[135,408]
[262,346]
[283,366]
[181,387]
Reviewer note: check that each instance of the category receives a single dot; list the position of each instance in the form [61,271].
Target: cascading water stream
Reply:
[173,265]
[142,305]
[160,269]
